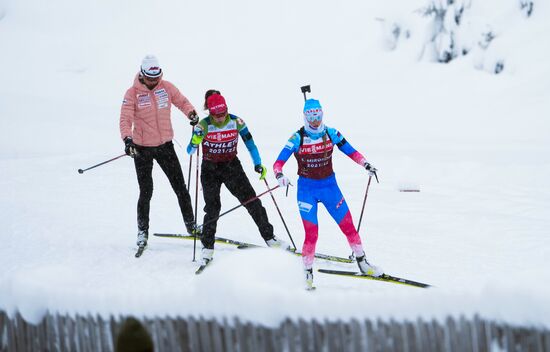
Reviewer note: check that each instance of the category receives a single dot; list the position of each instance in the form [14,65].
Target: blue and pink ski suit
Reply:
[317,183]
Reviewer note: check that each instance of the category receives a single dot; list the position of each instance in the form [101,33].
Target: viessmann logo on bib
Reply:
[221,137]
[315,148]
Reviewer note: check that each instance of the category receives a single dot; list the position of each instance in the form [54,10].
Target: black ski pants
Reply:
[230,173]
[166,157]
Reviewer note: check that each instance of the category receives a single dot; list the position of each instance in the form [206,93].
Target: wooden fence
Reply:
[69,333]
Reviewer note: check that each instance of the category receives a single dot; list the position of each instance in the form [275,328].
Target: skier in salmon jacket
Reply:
[146,129]
[219,134]
[312,146]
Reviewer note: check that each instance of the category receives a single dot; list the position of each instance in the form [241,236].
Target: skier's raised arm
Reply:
[345,147]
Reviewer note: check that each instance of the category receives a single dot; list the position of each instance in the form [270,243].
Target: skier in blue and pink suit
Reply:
[312,146]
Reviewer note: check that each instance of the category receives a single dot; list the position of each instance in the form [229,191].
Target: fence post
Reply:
[94,333]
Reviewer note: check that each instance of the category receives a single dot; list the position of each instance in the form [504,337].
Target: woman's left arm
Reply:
[338,139]
[249,141]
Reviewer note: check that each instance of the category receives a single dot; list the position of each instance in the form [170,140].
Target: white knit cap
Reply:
[150,66]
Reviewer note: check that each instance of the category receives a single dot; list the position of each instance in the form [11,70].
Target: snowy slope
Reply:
[476,145]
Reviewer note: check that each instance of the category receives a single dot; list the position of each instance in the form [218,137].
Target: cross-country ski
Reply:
[383,277]
[246,245]
[140,251]
[202,267]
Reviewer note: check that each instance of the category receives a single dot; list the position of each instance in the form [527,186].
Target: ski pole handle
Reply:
[81,171]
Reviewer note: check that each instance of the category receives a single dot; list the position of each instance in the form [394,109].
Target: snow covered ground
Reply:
[476,145]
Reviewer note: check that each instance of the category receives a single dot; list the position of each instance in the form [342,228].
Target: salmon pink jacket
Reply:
[145,114]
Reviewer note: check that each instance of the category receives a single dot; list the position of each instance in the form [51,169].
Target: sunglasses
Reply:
[151,79]
[314,115]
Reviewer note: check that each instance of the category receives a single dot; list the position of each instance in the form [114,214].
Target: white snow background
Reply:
[476,144]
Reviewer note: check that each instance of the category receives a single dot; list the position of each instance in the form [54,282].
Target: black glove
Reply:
[193,117]
[371,169]
[130,147]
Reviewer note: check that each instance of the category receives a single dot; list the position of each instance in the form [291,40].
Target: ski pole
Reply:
[80,171]
[238,206]
[196,203]
[362,210]
[190,163]
[281,215]
[189,174]
[364,202]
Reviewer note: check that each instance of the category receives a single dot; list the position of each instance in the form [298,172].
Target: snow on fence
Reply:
[67,333]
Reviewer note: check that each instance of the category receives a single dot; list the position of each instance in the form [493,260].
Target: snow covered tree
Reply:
[444,37]
[526,7]
[483,58]
[393,31]
[450,29]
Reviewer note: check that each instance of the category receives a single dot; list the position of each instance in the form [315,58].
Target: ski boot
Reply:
[367,268]
[142,237]
[279,244]
[192,229]
[309,279]
[207,256]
